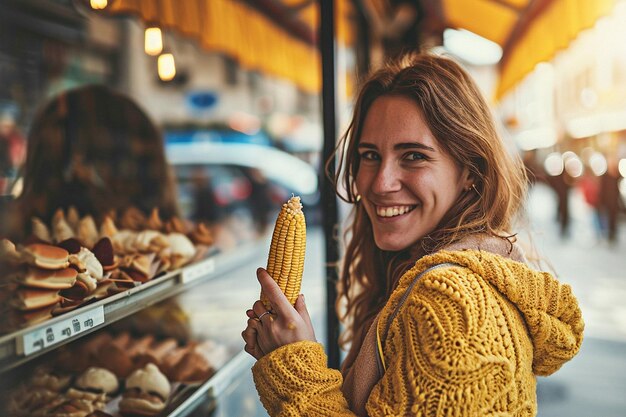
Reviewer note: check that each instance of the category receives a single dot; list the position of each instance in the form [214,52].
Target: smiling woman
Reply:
[443,314]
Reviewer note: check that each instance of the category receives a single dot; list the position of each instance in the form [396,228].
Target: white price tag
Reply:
[59,331]
[198,270]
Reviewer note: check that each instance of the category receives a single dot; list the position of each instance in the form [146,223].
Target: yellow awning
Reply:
[235,29]
[551,31]
[529,31]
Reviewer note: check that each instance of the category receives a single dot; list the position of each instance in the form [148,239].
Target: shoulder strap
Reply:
[382,367]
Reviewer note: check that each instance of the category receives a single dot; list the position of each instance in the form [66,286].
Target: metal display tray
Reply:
[23,345]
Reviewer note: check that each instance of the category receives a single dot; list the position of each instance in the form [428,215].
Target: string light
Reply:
[98,4]
[153,44]
[166,67]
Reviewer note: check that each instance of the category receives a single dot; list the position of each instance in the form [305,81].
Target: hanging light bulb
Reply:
[153,41]
[98,4]
[166,67]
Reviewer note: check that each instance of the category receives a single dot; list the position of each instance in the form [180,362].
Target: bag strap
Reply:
[380,358]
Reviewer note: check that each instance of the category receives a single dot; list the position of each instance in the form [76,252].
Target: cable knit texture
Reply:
[468,342]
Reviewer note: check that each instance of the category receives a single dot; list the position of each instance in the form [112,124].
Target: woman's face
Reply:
[406,181]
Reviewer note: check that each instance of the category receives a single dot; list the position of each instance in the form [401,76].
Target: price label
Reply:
[198,270]
[55,333]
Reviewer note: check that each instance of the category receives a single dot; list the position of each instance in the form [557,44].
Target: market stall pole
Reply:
[329,200]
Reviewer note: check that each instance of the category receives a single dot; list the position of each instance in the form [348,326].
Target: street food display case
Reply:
[168,346]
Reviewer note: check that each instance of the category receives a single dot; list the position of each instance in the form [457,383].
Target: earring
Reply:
[358,198]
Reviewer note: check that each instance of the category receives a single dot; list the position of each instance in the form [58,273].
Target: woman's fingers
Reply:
[277,299]
[302,310]
[260,312]
[250,335]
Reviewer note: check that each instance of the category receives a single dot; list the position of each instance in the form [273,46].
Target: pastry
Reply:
[169,362]
[98,380]
[107,228]
[46,256]
[88,280]
[133,219]
[51,381]
[72,245]
[61,230]
[87,231]
[30,299]
[32,317]
[42,278]
[103,250]
[40,229]
[192,367]
[83,286]
[150,241]
[73,218]
[155,353]
[99,413]
[115,358]
[176,225]
[154,221]
[202,235]
[137,266]
[139,346]
[24,401]
[124,242]
[147,391]
[182,249]
[8,253]
[92,266]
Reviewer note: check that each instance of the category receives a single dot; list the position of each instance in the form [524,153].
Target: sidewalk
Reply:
[594,382]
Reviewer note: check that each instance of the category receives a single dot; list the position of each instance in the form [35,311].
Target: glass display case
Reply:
[187,322]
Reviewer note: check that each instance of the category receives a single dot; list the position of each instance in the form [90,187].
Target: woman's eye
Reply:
[414,156]
[370,156]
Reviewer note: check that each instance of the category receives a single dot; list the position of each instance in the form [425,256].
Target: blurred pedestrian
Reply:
[610,201]
[561,184]
[590,187]
[96,150]
[205,206]
[260,198]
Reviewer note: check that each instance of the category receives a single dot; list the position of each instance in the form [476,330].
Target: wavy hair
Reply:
[461,121]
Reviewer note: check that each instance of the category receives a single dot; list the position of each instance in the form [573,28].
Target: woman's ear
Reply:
[467,179]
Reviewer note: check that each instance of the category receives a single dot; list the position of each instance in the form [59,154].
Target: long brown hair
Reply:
[461,121]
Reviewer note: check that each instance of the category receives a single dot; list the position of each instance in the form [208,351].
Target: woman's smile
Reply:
[386,214]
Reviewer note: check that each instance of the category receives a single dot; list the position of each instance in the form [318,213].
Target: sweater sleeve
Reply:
[294,380]
[446,353]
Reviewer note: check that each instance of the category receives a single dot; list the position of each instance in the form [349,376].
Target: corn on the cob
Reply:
[285,262]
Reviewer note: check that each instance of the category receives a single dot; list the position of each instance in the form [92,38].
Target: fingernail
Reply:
[302,295]
[259,270]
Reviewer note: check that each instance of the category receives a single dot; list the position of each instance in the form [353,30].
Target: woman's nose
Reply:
[387,179]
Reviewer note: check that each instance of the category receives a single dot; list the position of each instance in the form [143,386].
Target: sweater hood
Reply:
[550,310]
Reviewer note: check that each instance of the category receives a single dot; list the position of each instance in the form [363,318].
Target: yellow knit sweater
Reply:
[468,341]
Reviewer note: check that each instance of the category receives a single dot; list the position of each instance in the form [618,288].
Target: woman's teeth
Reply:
[393,211]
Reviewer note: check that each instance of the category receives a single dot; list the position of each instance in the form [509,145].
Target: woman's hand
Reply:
[283,325]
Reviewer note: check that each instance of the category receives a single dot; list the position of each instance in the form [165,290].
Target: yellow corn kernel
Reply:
[285,262]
